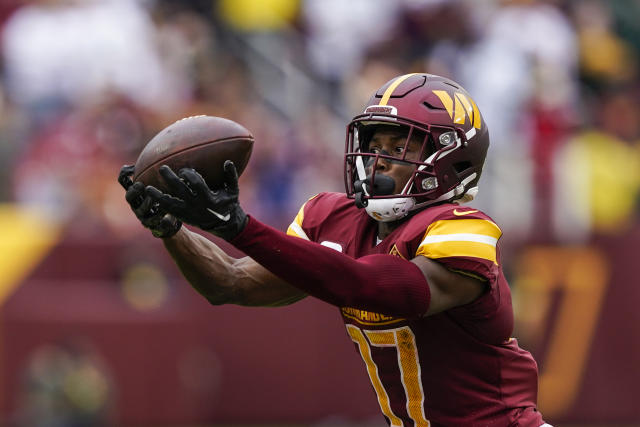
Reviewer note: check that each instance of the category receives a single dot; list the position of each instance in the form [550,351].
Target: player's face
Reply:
[393,142]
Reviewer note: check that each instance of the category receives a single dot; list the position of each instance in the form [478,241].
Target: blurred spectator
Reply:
[598,171]
[527,88]
[89,112]
[12,124]
[58,53]
[188,46]
[605,57]
[259,15]
[292,72]
[68,166]
[263,35]
[338,35]
[625,21]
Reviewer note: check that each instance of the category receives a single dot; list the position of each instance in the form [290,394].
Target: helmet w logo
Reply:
[459,107]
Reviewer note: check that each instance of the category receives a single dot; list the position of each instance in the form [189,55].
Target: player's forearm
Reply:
[222,279]
[206,267]
[380,283]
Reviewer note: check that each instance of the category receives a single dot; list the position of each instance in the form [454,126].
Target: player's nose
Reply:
[382,163]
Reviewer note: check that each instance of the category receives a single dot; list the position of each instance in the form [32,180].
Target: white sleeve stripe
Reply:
[461,237]
[298,230]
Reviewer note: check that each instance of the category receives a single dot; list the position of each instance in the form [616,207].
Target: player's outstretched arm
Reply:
[223,279]
[381,283]
[217,276]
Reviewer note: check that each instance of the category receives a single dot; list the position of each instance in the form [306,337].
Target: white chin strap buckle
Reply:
[387,210]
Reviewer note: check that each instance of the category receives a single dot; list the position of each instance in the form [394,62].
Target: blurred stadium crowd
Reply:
[84,84]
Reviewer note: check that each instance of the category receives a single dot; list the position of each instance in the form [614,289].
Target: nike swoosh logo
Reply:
[456,212]
[225,218]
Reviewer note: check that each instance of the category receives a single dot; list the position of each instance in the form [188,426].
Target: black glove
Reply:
[147,211]
[193,202]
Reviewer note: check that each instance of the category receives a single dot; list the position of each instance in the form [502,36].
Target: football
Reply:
[199,142]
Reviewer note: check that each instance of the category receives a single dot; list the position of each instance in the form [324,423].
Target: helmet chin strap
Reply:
[383,210]
[387,210]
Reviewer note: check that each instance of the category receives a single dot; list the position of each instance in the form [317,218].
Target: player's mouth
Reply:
[378,185]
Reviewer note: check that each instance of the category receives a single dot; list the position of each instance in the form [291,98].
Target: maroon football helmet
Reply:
[455,139]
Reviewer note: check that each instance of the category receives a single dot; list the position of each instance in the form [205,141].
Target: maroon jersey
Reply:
[455,368]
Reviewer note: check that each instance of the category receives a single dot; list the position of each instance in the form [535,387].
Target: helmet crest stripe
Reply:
[477,121]
[392,87]
[466,104]
[459,112]
[446,100]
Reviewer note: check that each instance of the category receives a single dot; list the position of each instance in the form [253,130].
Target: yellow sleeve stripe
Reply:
[458,248]
[295,229]
[475,238]
[464,226]
[460,237]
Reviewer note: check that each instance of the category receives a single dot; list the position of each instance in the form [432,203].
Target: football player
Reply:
[416,275]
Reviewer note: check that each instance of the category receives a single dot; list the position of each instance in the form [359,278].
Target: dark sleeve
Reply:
[382,283]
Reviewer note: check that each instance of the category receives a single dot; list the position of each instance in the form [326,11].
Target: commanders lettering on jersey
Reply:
[475,238]
[368,317]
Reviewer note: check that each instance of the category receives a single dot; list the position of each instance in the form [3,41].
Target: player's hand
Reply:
[146,210]
[193,202]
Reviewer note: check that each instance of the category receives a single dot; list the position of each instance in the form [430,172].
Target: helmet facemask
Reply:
[373,191]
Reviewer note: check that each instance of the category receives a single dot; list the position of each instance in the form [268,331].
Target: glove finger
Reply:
[124,177]
[194,180]
[135,194]
[231,178]
[146,209]
[178,187]
[166,202]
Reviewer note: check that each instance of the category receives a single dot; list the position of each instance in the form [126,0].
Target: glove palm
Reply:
[193,202]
